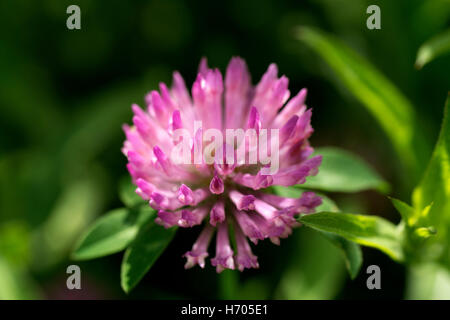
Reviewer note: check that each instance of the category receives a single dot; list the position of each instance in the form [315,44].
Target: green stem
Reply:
[228,283]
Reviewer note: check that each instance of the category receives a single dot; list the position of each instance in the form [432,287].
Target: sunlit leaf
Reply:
[433,48]
[414,232]
[343,171]
[369,231]
[143,253]
[405,210]
[431,198]
[383,100]
[428,281]
[15,283]
[112,233]
[424,232]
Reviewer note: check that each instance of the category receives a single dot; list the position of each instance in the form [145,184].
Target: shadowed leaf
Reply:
[143,253]
[433,48]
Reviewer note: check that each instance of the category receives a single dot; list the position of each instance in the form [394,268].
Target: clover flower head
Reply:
[168,144]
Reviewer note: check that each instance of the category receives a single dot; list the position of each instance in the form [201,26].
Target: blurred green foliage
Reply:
[65,94]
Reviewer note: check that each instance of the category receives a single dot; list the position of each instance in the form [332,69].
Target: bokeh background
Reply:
[64,95]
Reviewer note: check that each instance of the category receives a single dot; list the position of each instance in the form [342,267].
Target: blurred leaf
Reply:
[433,48]
[435,185]
[316,271]
[288,192]
[143,253]
[97,125]
[256,288]
[26,84]
[127,193]
[15,243]
[424,232]
[351,251]
[366,230]
[428,281]
[79,203]
[429,17]
[22,175]
[228,284]
[15,284]
[383,100]
[327,204]
[296,192]
[342,171]
[112,232]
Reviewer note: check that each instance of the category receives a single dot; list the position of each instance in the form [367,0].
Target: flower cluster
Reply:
[225,195]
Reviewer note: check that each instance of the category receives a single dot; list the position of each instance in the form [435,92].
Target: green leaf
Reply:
[405,210]
[414,232]
[342,171]
[127,193]
[143,253]
[382,99]
[409,215]
[431,198]
[112,233]
[434,187]
[369,231]
[351,251]
[433,48]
